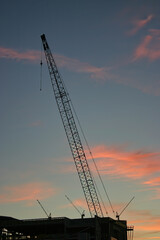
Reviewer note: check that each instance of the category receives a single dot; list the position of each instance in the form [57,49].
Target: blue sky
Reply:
[108,53]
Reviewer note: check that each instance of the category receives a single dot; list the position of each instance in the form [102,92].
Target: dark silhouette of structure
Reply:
[63,228]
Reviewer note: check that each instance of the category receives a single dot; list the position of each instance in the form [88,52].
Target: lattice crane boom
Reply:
[73,137]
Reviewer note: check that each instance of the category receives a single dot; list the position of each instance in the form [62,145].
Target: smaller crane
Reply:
[48,215]
[118,215]
[82,214]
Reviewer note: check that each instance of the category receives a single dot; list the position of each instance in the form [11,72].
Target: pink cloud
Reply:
[37,123]
[82,67]
[26,192]
[62,61]
[144,50]
[155,32]
[117,162]
[76,65]
[149,47]
[80,203]
[139,23]
[30,55]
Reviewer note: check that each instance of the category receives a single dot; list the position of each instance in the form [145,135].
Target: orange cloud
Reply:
[139,23]
[145,224]
[146,238]
[26,192]
[150,47]
[149,223]
[80,203]
[117,162]
[153,182]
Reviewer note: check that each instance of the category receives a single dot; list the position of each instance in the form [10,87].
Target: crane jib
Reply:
[63,103]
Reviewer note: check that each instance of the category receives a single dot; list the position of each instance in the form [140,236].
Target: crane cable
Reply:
[94,165]
[85,142]
[41,70]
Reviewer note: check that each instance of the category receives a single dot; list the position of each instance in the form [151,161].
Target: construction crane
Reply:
[77,150]
[48,215]
[82,214]
[118,215]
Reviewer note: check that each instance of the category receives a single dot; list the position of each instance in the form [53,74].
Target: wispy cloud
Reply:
[153,182]
[101,74]
[146,224]
[118,162]
[149,48]
[26,192]
[139,165]
[139,23]
[79,203]
[9,53]
[150,224]
[37,123]
[77,66]
[62,61]
[155,32]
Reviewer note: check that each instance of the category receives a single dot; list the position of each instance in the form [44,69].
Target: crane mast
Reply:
[64,106]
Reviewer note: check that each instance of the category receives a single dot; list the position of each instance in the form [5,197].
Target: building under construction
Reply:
[97,227]
[63,228]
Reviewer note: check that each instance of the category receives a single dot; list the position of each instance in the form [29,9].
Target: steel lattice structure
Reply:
[73,137]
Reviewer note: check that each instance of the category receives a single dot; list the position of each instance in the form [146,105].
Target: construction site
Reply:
[64,228]
[95,227]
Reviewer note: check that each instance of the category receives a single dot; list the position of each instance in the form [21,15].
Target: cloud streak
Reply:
[118,162]
[145,222]
[75,65]
[139,23]
[153,182]
[101,74]
[26,192]
[9,53]
[149,48]
[82,67]
[37,123]
[79,203]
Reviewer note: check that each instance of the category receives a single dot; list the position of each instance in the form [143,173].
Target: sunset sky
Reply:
[108,53]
